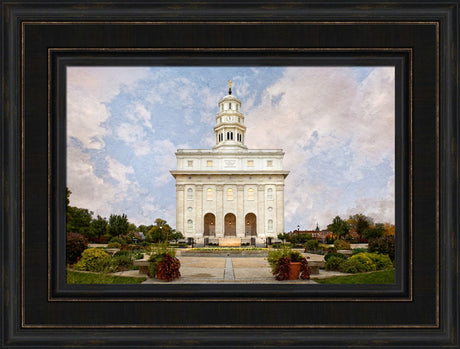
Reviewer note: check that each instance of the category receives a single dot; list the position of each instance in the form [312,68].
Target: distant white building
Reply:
[230,190]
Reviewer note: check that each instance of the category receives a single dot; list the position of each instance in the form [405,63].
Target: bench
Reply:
[314,266]
[143,265]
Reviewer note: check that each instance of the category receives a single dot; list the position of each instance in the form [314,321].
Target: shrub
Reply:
[279,262]
[305,270]
[381,261]
[94,259]
[157,253]
[358,250]
[120,240]
[358,263]
[275,255]
[383,245]
[334,254]
[122,263]
[331,249]
[168,268]
[334,263]
[341,245]
[131,247]
[311,245]
[75,245]
[113,245]
[281,271]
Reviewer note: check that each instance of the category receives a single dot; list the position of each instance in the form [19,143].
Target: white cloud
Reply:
[88,190]
[89,89]
[350,122]
[163,155]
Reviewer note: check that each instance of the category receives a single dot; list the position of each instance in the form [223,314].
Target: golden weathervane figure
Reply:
[229,87]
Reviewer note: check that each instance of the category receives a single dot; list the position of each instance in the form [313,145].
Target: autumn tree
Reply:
[389,229]
[374,231]
[360,223]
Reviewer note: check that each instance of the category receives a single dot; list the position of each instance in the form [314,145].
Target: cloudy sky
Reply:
[335,124]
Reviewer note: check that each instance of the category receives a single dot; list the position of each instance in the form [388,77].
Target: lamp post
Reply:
[298,229]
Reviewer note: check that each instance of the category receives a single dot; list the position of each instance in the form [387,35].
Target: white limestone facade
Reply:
[230,190]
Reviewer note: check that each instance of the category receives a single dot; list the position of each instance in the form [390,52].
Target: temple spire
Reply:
[229,87]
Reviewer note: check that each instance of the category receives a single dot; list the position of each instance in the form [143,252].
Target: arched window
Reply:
[231,136]
[189,194]
[228,136]
[270,225]
[270,194]
[229,194]
[250,194]
[189,225]
[209,194]
[237,107]
[229,105]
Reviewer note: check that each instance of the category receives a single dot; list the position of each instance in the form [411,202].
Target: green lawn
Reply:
[75,277]
[377,277]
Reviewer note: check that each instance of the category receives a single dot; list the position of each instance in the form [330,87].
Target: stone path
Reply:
[228,273]
[250,270]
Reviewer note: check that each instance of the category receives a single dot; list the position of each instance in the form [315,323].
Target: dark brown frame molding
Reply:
[39,39]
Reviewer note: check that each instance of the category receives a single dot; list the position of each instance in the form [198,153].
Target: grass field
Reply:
[75,277]
[377,277]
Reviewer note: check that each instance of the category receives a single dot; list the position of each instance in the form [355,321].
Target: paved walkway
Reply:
[251,270]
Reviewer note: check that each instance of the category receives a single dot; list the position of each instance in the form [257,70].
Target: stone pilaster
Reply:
[220,222]
[199,211]
[279,209]
[240,225]
[261,211]
[180,208]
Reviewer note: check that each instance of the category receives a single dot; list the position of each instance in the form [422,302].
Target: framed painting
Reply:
[126,108]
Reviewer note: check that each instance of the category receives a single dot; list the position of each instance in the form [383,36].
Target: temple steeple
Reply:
[230,129]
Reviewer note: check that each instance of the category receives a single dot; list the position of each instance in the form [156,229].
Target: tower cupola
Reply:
[230,129]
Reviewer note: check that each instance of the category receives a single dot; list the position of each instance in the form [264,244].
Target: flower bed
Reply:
[226,252]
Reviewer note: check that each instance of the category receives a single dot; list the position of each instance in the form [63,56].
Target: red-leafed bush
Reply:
[305,270]
[168,268]
[75,245]
[282,269]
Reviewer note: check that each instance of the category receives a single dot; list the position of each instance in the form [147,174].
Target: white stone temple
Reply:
[230,191]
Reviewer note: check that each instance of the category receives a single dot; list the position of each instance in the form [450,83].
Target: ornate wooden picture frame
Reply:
[41,39]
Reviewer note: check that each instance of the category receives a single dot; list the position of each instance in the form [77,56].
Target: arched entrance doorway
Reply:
[230,225]
[209,225]
[250,224]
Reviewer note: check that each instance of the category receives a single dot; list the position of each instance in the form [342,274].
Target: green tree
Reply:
[339,227]
[176,235]
[300,238]
[160,232]
[144,228]
[99,226]
[284,237]
[118,225]
[374,232]
[78,220]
